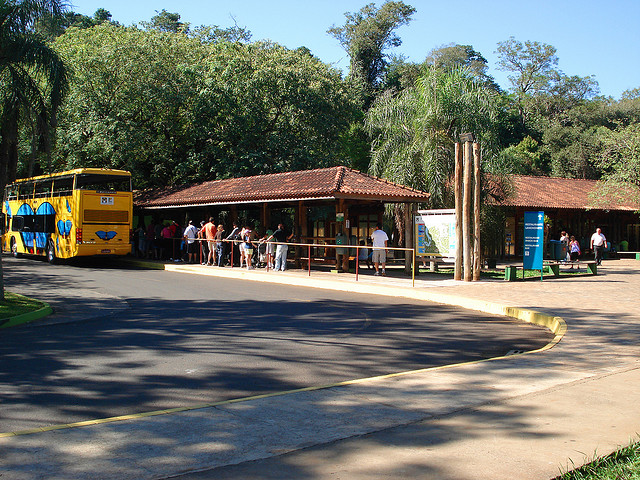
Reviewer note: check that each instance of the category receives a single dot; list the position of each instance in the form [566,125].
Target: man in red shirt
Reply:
[210,231]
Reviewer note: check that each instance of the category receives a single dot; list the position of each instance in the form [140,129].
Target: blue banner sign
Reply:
[533,240]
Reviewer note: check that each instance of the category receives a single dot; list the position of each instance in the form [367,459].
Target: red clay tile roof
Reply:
[565,193]
[324,183]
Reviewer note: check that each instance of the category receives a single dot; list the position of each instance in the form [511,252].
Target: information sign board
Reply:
[533,240]
[435,233]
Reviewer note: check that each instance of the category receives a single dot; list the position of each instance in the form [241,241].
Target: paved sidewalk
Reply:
[519,417]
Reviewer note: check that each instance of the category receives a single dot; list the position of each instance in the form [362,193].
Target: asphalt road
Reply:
[129,341]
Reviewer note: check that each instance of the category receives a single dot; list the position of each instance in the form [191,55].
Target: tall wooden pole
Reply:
[466,212]
[476,212]
[409,242]
[457,273]
[347,232]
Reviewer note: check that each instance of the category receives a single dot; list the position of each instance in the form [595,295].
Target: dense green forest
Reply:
[177,104]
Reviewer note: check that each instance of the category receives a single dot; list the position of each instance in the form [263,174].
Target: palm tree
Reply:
[33,81]
[415,130]
[33,78]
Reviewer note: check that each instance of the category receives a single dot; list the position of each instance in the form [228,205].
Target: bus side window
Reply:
[11,193]
[17,225]
[45,223]
[62,186]
[26,191]
[43,189]
[23,223]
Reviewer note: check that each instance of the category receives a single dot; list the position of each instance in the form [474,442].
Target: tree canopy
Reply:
[33,82]
[365,36]
[453,55]
[174,103]
[173,109]
[165,21]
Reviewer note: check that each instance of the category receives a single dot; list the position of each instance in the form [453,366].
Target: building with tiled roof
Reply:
[322,184]
[573,205]
[562,193]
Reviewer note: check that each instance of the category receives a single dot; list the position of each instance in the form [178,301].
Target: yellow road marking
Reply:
[556,324]
[134,416]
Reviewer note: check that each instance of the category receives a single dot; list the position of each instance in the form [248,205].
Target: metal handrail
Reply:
[316,245]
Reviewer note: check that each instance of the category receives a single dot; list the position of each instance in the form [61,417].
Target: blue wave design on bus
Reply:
[68,207]
[106,235]
[25,210]
[8,209]
[41,237]
[46,209]
[64,228]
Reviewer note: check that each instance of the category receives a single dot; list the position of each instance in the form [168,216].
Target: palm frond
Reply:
[414,131]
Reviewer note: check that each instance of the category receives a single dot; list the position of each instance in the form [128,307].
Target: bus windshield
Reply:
[103,183]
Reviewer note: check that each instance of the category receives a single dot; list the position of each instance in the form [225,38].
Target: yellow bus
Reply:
[82,212]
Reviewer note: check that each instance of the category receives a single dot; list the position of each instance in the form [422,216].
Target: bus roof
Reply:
[94,171]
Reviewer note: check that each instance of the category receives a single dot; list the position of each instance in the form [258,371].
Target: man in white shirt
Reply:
[379,256]
[598,244]
[189,235]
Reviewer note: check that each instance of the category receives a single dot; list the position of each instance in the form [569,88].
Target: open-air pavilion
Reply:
[316,205]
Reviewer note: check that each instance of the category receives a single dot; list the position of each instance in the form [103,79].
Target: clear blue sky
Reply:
[592,37]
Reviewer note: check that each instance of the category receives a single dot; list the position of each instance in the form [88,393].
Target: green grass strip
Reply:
[14,305]
[623,464]
[499,274]
[17,309]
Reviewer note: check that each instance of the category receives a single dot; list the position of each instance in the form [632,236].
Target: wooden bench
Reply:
[510,272]
[434,262]
[554,265]
[635,255]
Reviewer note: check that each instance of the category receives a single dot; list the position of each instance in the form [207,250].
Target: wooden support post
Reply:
[296,230]
[339,229]
[476,212]
[266,216]
[304,223]
[302,219]
[457,275]
[467,197]
[409,241]
[347,232]
[234,213]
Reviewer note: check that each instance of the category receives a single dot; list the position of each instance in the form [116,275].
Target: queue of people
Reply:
[211,244]
[157,240]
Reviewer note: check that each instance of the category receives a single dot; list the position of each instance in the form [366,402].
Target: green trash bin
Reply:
[555,250]
[510,273]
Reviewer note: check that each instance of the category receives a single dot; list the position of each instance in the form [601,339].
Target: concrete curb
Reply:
[26,317]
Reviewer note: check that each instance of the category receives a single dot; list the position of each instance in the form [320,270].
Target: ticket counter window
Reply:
[366,225]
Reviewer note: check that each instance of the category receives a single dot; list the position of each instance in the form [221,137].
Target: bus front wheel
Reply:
[14,247]
[51,253]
